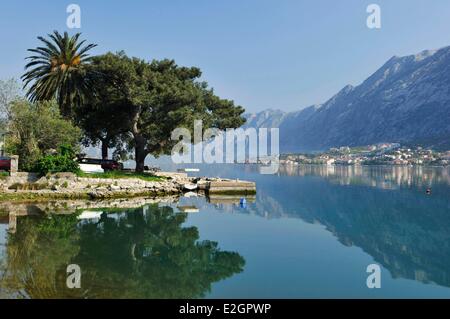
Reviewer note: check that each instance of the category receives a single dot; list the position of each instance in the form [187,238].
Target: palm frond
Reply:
[57,69]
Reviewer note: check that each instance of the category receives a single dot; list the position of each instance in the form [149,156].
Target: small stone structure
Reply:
[226,186]
[14,168]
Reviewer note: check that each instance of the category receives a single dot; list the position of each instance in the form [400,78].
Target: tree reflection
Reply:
[37,256]
[142,253]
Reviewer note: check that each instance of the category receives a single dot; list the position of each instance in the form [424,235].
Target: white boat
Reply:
[190,187]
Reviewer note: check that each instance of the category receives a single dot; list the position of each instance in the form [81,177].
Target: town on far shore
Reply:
[377,154]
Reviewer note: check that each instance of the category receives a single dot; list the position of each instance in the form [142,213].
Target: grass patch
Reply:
[4,175]
[123,175]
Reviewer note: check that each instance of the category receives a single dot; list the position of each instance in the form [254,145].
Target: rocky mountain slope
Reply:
[406,101]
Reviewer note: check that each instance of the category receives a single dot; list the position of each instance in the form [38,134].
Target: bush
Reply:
[62,162]
[35,129]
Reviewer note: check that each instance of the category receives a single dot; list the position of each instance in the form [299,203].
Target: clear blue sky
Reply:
[284,54]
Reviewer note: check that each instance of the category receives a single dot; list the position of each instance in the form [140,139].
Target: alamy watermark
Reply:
[374,19]
[250,146]
[73,280]
[374,279]
[74,19]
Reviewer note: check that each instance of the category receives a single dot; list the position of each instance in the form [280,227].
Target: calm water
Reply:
[310,232]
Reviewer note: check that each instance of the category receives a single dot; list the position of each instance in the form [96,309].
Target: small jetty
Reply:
[226,186]
[210,185]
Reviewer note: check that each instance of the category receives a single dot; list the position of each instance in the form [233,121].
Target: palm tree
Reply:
[59,69]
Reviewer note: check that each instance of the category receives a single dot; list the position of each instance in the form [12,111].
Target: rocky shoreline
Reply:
[28,186]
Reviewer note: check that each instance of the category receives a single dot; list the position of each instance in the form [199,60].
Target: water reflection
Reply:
[387,177]
[407,234]
[147,252]
[139,253]
[383,210]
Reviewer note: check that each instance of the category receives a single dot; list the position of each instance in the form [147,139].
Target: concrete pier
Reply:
[227,186]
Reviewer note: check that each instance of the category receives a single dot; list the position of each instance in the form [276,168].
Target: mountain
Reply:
[406,101]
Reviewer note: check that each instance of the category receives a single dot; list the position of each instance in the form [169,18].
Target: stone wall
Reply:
[17,178]
[70,186]
[29,186]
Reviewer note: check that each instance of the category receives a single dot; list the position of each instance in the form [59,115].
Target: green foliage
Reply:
[136,104]
[148,100]
[102,118]
[36,129]
[9,92]
[67,150]
[58,70]
[62,162]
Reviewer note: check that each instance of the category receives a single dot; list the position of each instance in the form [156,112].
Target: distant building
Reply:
[446,156]
[400,162]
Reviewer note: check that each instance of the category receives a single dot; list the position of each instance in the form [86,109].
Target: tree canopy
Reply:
[126,103]
[148,100]
[37,128]
[58,70]
[9,92]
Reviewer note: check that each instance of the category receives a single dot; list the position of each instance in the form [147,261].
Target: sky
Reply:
[284,54]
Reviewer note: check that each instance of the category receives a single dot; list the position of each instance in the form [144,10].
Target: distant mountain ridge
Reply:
[407,101]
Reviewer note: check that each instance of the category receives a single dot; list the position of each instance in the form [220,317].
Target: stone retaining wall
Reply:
[25,186]
[69,185]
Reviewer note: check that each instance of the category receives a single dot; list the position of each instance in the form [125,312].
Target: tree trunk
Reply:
[104,149]
[140,153]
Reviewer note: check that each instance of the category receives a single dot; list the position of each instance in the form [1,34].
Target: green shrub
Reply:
[35,129]
[62,162]
[4,175]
